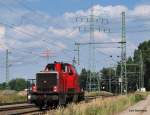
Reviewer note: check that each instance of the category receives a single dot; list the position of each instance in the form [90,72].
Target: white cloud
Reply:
[64,32]
[100,36]
[2,31]
[2,38]
[51,29]
[130,48]
[25,32]
[112,11]
[141,11]
[60,45]
[114,14]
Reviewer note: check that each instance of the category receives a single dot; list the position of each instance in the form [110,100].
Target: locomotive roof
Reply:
[58,62]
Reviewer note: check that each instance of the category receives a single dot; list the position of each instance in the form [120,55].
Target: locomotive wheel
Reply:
[81,97]
[39,104]
[62,99]
[75,98]
[41,107]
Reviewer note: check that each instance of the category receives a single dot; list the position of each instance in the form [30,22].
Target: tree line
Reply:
[133,71]
[17,84]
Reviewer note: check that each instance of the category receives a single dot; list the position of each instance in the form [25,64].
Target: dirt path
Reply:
[141,108]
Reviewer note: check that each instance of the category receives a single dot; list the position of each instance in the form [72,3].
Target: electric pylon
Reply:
[124,82]
[91,24]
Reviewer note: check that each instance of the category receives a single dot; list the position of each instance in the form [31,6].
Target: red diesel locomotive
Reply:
[58,83]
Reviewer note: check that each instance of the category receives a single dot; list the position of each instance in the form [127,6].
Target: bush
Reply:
[106,106]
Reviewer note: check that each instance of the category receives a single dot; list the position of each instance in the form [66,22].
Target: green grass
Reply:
[107,106]
[11,97]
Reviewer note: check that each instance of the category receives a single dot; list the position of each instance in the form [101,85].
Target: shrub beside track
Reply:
[101,106]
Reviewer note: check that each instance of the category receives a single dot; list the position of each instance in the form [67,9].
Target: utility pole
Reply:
[141,80]
[74,61]
[78,52]
[7,66]
[99,81]
[123,76]
[110,79]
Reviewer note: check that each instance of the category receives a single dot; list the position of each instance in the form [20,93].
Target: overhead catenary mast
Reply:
[123,76]
[91,51]
[91,24]
[7,66]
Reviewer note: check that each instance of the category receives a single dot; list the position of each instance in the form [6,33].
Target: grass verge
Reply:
[13,97]
[107,106]
[97,93]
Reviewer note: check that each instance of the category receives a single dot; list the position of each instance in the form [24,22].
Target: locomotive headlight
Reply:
[29,97]
[55,89]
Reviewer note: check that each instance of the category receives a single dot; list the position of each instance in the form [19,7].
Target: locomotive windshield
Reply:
[46,81]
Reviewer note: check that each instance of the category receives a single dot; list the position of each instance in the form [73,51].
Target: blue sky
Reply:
[56,7]
[30,27]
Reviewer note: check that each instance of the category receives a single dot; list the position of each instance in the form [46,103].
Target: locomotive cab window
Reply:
[64,68]
[70,71]
[50,67]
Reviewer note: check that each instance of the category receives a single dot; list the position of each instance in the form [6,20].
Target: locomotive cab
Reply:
[58,83]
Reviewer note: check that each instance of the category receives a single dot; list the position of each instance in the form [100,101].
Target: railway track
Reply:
[3,104]
[30,109]
[23,108]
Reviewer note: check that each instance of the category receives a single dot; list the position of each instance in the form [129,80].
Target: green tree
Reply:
[132,74]
[17,84]
[3,86]
[83,78]
[108,74]
[145,49]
